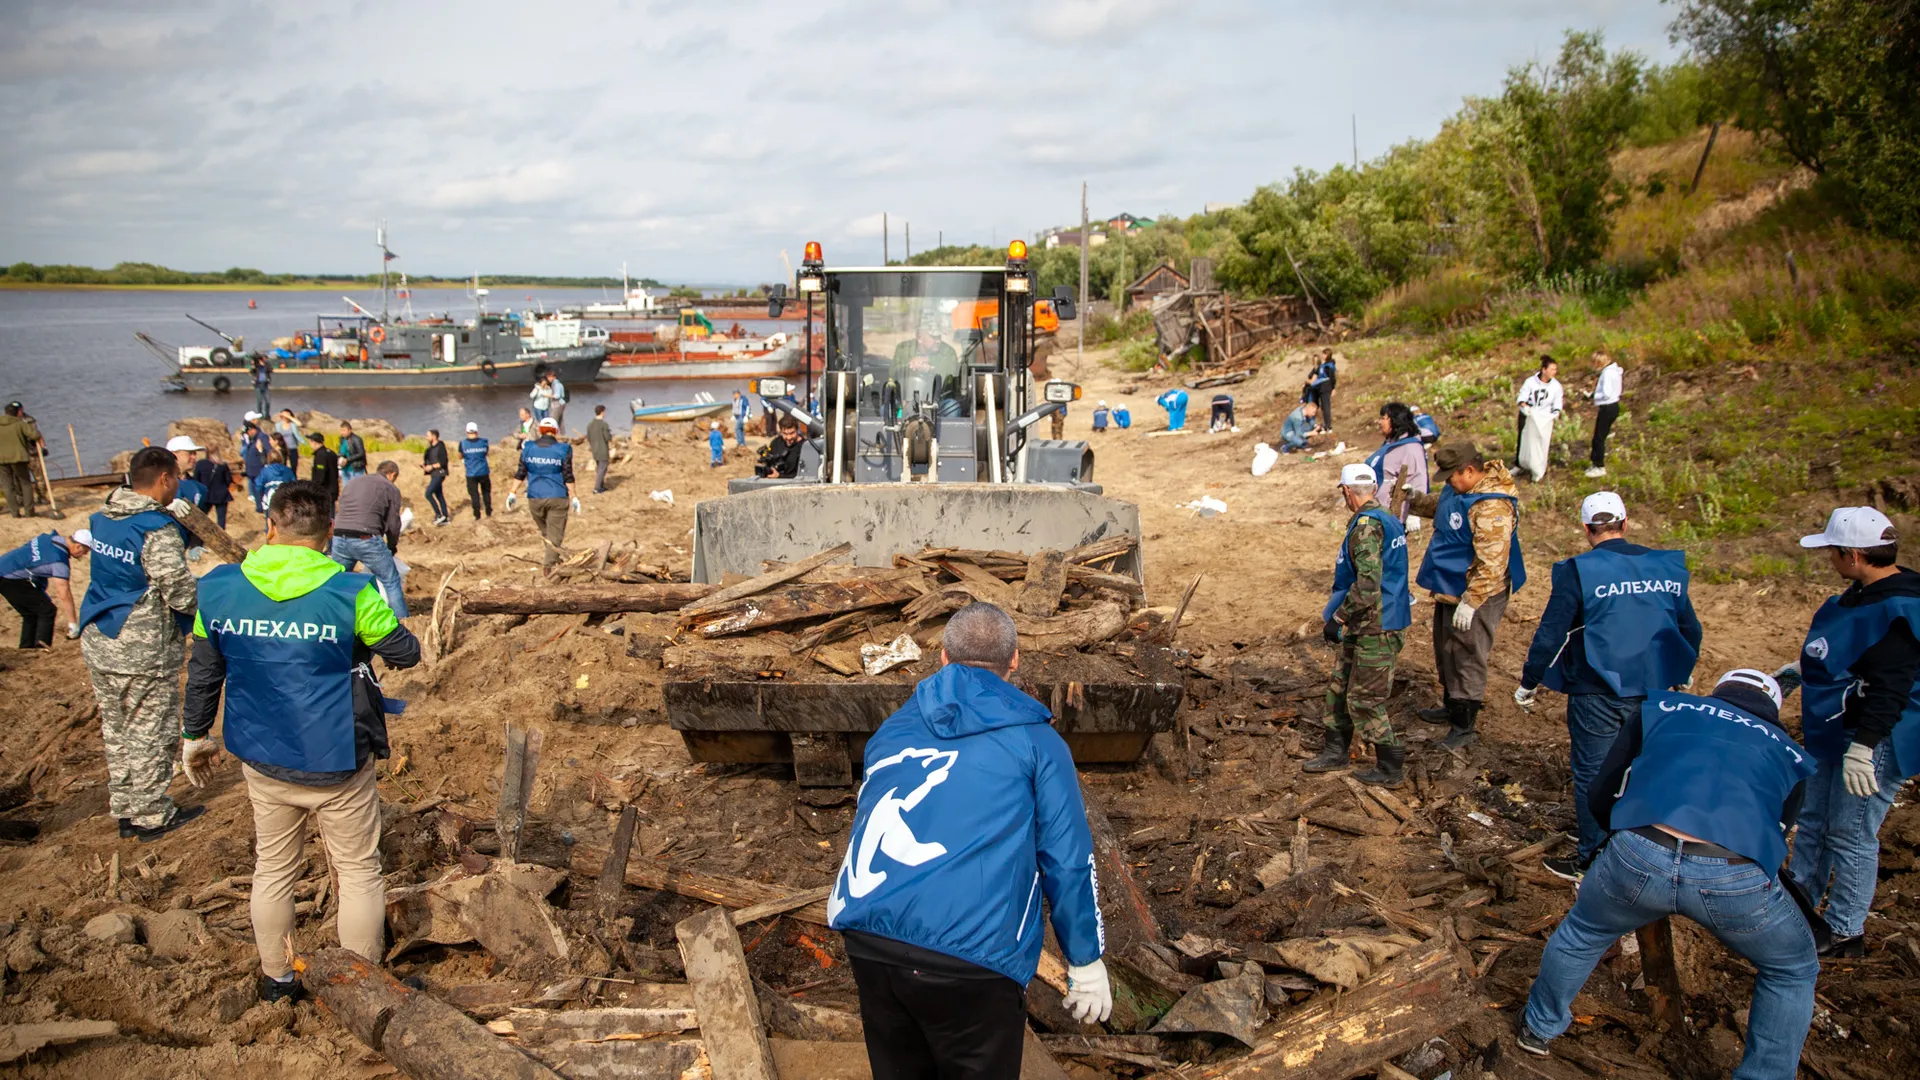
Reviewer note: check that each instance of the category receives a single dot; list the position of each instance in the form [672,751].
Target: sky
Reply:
[697,141]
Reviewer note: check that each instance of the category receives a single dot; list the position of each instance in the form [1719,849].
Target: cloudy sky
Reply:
[695,141]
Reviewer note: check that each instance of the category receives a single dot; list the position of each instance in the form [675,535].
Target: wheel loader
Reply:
[923,437]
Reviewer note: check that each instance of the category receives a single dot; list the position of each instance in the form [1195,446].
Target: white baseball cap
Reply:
[83,537]
[250,415]
[549,424]
[183,442]
[1758,680]
[473,427]
[1602,508]
[716,425]
[1853,527]
[1358,475]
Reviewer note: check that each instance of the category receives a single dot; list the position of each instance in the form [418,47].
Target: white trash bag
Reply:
[661,497]
[1264,459]
[1535,440]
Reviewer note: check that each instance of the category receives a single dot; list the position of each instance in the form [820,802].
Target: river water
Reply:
[71,358]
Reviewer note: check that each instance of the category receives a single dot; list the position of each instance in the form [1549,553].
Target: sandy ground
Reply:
[1193,810]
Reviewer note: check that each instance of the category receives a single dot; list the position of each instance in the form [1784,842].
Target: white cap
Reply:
[1758,680]
[83,537]
[250,416]
[716,425]
[1853,527]
[1358,475]
[1103,403]
[548,424]
[183,442]
[1602,508]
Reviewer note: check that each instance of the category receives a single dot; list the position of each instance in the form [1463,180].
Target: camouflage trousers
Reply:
[1358,697]
[140,724]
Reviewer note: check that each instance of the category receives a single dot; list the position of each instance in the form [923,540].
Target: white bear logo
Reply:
[1817,648]
[1454,519]
[887,832]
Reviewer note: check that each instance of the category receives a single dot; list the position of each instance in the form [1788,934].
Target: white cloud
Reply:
[518,186]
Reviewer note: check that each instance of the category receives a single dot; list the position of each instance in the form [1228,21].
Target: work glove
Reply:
[197,752]
[512,500]
[1524,697]
[1331,632]
[1789,678]
[179,508]
[1463,617]
[73,630]
[1089,995]
[576,504]
[1862,779]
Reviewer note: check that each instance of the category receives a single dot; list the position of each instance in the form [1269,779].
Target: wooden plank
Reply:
[19,1040]
[225,547]
[793,603]
[769,580]
[1046,580]
[723,995]
[781,906]
[1664,992]
[580,599]
[1100,550]
[613,871]
[1351,823]
[1299,848]
[510,814]
[728,892]
[1102,579]
[984,586]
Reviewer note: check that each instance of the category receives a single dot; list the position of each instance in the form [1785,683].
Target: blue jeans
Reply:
[1593,721]
[539,415]
[436,497]
[1837,839]
[740,429]
[372,552]
[1634,882]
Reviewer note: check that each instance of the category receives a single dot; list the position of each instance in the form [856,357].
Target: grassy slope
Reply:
[1755,401]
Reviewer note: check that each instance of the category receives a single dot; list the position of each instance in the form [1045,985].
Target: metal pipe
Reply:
[993,431]
[839,423]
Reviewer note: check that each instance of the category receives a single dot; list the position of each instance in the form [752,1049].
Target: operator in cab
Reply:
[924,368]
[781,457]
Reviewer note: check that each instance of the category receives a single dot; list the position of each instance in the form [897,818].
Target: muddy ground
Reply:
[1211,803]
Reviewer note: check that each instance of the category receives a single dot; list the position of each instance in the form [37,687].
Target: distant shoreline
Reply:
[303,286]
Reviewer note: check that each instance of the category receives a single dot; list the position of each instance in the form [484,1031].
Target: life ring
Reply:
[222,384]
[363,354]
[486,366]
[379,336]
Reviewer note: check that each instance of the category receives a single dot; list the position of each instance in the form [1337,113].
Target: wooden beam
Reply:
[782,906]
[580,599]
[793,603]
[613,871]
[213,536]
[728,892]
[769,580]
[1046,580]
[1663,976]
[723,995]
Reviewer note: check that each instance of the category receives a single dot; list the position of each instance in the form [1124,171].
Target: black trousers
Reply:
[36,611]
[1323,397]
[923,1026]
[1519,433]
[479,492]
[1603,427]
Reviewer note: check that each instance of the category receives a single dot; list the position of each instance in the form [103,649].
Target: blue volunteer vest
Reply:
[1715,771]
[119,576]
[289,669]
[1099,418]
[1443,570]
[1379,459]
[546,465]
[1428,428]
[1632,606]
[1396,600]
[473,457]
[192,490]
[269,482]
[32,555]
[1836,640]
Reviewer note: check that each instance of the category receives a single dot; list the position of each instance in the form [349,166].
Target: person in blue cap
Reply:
[1860,715]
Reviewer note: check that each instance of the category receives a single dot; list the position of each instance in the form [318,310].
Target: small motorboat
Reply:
[702,406]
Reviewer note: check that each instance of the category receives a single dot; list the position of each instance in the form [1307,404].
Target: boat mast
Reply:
[380,241]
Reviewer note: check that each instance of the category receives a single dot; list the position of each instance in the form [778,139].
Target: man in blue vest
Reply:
[1698,793]
[291,637]
[1860,715]
[133,623]
[1472,566]
[1619,626]
[1370,610]
[473,458]
[546,468]
[969,826]
[36,578]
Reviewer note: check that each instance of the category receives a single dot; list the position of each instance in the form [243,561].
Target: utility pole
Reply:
[1356,142]
[939,238]
[886,237]
[1080,320]
[909,241]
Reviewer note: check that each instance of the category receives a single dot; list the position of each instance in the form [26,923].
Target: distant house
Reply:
[1155,282]
[1126,223]
[1066,238]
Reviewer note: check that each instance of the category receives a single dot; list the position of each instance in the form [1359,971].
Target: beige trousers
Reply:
[348,816]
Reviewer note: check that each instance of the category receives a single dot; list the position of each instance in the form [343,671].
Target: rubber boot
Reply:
[1466,715]
[1333,755]
[1389,767]
[1439,714]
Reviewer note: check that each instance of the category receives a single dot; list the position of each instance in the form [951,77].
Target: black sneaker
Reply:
[181,815]
[1531,1043]
[1568,869]
[272,990]
[1846,948]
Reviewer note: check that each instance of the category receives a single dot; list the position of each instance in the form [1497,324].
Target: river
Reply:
[71,358]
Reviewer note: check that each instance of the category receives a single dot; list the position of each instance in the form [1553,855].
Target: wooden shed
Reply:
[1161,279]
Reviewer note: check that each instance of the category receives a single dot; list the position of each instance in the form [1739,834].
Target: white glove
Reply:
[179,507]
[1862,780]
[201,751]
[1524,697]
[512,500]
[73,630]
[576,504]
[1089,995]
[1463,617]
[1789,678]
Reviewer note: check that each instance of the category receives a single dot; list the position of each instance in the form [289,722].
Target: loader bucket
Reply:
[736,534]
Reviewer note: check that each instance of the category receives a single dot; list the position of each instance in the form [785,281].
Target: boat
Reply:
[640,355]
[702,406]
[636,302]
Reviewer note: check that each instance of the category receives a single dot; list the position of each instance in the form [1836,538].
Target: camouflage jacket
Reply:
[150,642]
[1493,522]
[1360,613]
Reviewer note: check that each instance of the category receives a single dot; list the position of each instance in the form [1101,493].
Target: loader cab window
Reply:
[912,338]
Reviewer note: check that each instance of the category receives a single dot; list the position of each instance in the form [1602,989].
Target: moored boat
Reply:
[702,406]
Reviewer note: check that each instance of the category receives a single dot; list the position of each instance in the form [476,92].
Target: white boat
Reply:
[703,405]
[695,360]
[636,302]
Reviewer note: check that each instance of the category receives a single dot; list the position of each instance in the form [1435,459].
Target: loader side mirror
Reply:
[1063,303]
[776,301]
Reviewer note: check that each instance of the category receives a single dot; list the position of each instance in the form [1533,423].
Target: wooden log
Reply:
[419,1035]
[1352,823]
[1421,994]
[1072,630]
[580,599]
[19,1040]
[1664,992]
[1299,848]
[793,603]
[516,787]
[1102,579]
[1100,550]
[984,587]
[728,892]
[225,547]
[1046,580]
[768,580]
[613,872]
[723,995]
[781,906]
